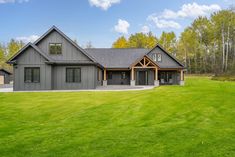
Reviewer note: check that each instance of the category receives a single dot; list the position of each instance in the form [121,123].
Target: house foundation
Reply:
[132,82]
[156,83]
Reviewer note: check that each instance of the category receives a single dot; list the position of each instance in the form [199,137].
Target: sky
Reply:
[100,22]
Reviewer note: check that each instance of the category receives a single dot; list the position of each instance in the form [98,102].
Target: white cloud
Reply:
[162,23]
[190,11]
[145,29]
[28,39]
[12,1]
[122,26]
[103,4]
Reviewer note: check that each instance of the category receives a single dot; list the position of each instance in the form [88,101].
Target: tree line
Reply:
[7,51]
[206,46]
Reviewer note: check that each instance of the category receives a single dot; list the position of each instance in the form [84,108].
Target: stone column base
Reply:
[181,83]
[156,83]
[132,82]
[104,82]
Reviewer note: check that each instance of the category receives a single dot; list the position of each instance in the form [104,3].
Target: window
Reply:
[155,57]
[123,75]
[32,75]
[110,76]
[73,75]
[55,48]
[159,57]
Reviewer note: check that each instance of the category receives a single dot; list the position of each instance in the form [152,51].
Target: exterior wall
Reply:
[88,78]
[31,58]
[69,51]
[7,78]
[150,72]
[166,60]
[116,78]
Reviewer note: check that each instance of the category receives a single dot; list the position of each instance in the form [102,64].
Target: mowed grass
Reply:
[197,120]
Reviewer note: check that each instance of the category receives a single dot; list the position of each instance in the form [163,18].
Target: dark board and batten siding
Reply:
[166,62]
[69,51]
[51,77]
[54,76]
[88,78]
[31,58]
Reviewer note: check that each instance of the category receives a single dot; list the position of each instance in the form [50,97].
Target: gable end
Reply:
[167,54]
[30,45]
[55,29]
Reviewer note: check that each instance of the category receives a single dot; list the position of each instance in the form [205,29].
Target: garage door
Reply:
[1,79]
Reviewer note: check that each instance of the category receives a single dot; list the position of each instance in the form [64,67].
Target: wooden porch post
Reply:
[181,75]
[105,75]
[132,82]
[156,82]
[105,79]
[132,74]
[156,74]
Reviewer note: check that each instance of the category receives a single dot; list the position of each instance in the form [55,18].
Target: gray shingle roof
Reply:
[116,58]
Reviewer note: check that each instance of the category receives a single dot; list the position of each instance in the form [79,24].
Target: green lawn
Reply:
[195,120]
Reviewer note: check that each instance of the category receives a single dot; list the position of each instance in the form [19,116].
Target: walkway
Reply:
[99,88]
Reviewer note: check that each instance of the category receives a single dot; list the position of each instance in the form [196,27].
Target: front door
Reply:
[143,77]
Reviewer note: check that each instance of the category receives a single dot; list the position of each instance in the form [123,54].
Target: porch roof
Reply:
[116,58]
[126,57]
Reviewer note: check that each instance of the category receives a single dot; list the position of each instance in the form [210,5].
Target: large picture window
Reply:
[55,48]
[73,75]
[31,74]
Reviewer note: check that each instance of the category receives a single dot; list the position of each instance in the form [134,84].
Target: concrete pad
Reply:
[6,90]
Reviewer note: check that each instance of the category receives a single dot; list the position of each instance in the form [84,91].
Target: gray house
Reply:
[55,62]
[5,77]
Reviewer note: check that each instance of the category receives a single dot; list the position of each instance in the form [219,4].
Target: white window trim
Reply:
[159,57]
[155,57]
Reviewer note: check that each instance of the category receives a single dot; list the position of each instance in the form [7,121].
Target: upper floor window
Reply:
[55,48]
[31,74]
[155,57]
[159,57]
[73,75]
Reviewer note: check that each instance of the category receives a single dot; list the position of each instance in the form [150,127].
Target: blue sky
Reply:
[100,21]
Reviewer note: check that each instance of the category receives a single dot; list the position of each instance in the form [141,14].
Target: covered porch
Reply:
[143,72]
